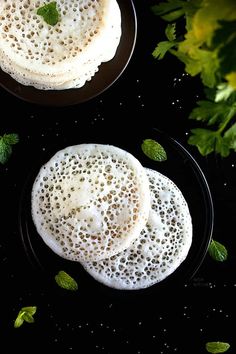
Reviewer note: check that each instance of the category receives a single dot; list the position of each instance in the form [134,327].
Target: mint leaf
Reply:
[218,252]
[153,150]
[49,13]
[31,310]
[11,139]
[5,151]
[5,146]
[65,281]
[19,320]
[25,314]
[162,48]
[217,347]
[28,318]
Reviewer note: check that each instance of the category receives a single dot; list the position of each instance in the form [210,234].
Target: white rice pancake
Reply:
[161,247]
[47,57]
[90,201]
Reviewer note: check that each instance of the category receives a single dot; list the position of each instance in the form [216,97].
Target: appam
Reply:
[90,201]
[62,56]
[161,247]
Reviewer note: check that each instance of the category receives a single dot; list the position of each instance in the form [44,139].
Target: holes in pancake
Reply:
[20,17]
[163,244]
[93,204]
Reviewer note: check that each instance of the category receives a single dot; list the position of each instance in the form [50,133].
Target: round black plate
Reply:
[108,72]
[180,167]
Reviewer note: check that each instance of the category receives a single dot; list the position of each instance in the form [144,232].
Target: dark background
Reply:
[180,320]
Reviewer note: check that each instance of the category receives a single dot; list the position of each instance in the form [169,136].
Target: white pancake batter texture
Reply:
[90,201]
[63,56]
[161,247]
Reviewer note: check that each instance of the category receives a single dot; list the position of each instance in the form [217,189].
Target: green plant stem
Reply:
[226,122]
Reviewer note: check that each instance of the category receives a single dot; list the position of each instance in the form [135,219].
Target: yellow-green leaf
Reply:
[217,347]
[65,281]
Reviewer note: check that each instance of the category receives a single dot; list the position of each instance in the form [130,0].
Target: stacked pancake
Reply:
[62,56]
[129,227]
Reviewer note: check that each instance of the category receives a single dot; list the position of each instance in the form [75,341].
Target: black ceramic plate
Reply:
[108,72]
[180,167]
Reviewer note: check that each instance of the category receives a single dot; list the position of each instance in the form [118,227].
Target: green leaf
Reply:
[153,150]
[19,320]
[5,146]
[65,281]
[174,15]
[232,99]
[170,32]
[166,7]
[222,147]
[161,49]
[11,139]
[224,33]
[223,92]
[174,9]
[217,347]
[210,112]
[209,68]
[225,39]
[25,314]
[198,60]
[5,151]
[204,140]
[218,252]
[49,13]
[210,93]
[192,66]
[191,7]
[207,49]
[231,78]
[31,310]
[227,57]
[28,318]
[230,137]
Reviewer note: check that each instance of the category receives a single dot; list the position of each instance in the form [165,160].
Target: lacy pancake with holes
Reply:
[161,247]
[90,201]
[62,56]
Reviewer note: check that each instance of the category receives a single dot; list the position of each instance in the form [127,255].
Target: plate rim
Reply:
[53,97]
[199,256]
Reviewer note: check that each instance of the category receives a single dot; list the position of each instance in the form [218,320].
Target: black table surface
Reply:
[149,93]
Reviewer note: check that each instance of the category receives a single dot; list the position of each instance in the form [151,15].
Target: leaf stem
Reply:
[231,114]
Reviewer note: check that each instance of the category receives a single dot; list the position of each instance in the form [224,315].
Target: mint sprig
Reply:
[65,281]
[217,251]
[217,347]
[49,13]
[153,150]
[6,142]
[25,314]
